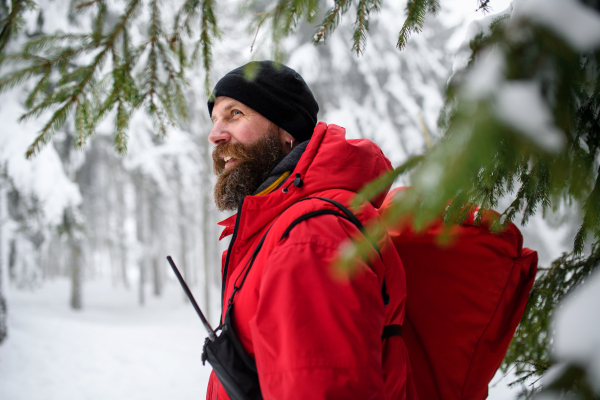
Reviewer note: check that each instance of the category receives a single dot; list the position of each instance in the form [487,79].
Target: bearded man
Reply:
[313,331]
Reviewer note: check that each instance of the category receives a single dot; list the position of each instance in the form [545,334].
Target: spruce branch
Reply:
[415,19]
[284,17]
[13,22]
[79,89]
[591,218]
[54,52]
[361,26]
[56,122]
[208,31]
[99,22]
[331,21]
[529,349]
[374,188]
[434,6]
[203,10]
[261,21]
[85,4]
[483,5]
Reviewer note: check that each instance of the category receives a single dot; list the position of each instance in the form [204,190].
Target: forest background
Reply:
[107,192]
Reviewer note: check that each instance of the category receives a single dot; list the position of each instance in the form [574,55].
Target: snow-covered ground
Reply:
[113,349]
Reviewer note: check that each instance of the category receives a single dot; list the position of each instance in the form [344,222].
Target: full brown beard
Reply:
[255,161]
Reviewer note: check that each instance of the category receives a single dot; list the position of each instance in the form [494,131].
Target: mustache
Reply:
[235,150]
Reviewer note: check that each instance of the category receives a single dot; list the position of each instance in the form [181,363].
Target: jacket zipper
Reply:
[225,268]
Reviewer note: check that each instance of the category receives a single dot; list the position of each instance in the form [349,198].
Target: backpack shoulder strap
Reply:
[348,215]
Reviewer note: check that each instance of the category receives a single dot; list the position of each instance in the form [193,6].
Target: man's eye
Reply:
[236,112]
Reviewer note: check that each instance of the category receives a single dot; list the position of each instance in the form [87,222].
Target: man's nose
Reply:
[218,135]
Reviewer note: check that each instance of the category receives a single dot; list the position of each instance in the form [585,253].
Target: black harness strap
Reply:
[349,215]
[388,331]
[310,215]
[391,330]
[247,267]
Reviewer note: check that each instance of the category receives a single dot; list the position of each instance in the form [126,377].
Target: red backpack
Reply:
[464,302]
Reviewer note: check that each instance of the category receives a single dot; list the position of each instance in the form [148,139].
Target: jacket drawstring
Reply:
[298,182]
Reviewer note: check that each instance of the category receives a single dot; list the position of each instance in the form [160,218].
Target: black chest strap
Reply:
[389,330]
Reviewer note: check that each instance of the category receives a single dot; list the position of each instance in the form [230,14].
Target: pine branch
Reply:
[434,7]
[14,21]
[82,122]
[56,122]
[85,4]
[361,27]
[208,31]
[483,5]
[529,349]
[42,86]
[190,11]
[43,42]
[284,17]
[99,21]
[331,21]
[415,19]
[374,188]
[591,218]
[18,77]
[122,124]
[261,21]
[73,86]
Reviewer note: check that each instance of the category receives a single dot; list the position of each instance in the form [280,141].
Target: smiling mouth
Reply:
[229,160]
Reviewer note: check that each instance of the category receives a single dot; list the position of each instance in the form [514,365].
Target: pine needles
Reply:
[528,351]
[416,10]
[204,12]
[91,75]
[361,26]
[331,20]
[485,157]
[88,76]
[11,20]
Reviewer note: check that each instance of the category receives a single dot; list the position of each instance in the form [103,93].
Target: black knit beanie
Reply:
[276,92]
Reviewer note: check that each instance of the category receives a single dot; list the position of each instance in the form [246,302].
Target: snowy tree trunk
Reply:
[76,274]
[121,236]
[74,258]
[156,240]
[206,198]
[141,235]
[3,308]
[182,219]
[3,319]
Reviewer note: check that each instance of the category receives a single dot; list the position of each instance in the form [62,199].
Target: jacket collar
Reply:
[329,162]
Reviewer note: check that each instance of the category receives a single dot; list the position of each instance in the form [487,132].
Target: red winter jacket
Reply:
[314,332]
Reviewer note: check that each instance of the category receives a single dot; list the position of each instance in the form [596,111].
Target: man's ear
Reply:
[286,139]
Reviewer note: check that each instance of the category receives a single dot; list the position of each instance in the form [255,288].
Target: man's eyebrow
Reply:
[227,108]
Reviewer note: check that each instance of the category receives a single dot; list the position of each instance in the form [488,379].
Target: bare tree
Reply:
[3,307]
[141,233]
[71,229]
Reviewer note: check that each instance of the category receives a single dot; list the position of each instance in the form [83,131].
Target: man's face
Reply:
[234,122]
[248,146]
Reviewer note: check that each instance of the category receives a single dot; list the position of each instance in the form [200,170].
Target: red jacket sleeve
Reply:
[317,331]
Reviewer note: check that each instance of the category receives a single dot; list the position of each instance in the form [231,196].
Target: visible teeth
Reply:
[227,158]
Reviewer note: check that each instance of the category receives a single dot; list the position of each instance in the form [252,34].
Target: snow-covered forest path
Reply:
[114,349]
